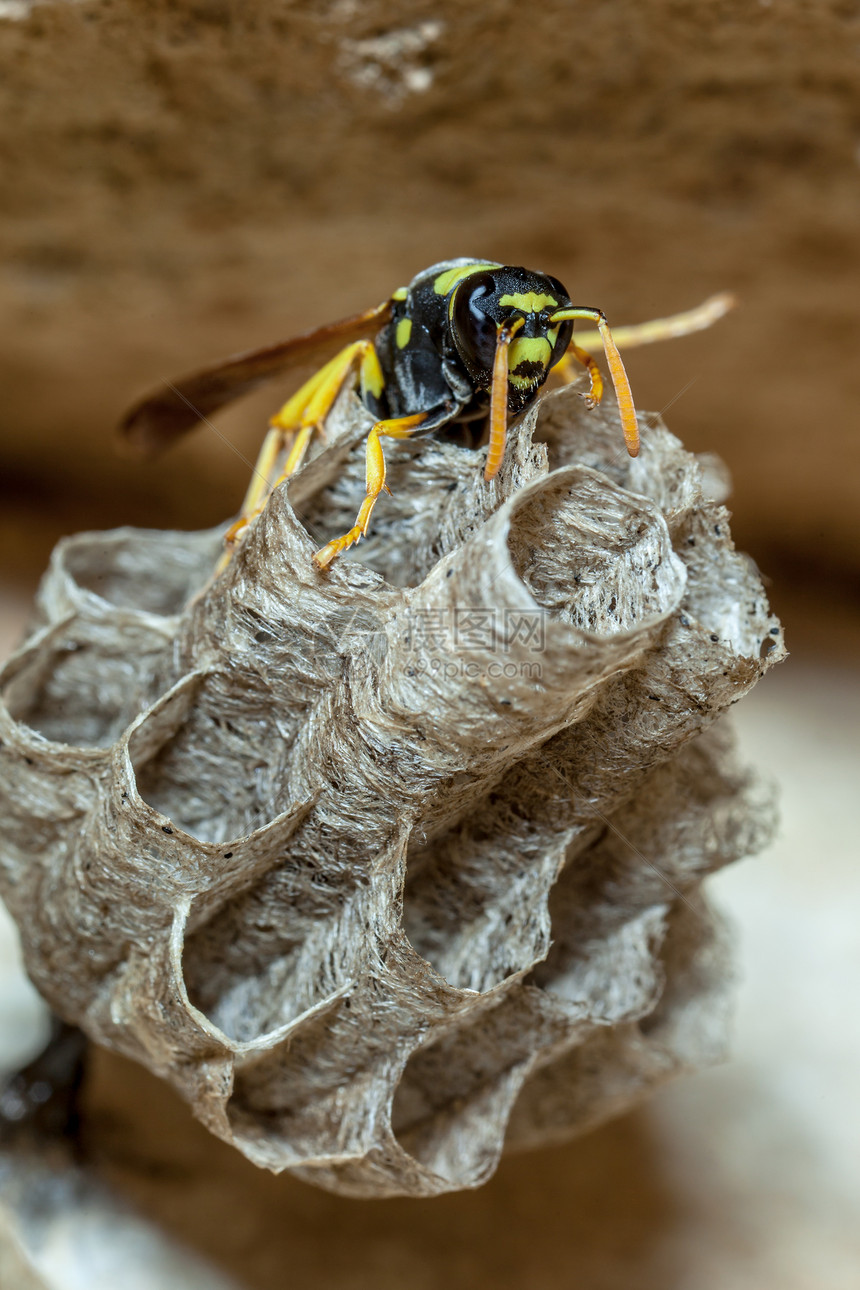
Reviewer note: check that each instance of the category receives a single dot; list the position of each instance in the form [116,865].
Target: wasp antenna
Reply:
[623,393]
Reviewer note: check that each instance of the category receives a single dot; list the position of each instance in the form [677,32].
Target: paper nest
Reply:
[389,868]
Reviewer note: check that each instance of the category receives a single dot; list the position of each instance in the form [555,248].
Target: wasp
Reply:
[465,339]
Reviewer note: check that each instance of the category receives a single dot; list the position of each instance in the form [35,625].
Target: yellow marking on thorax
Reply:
[529,301]
[400,294]
[403,332]
[449,279]
[372,379]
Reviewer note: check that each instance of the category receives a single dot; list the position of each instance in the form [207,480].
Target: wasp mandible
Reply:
[465,338]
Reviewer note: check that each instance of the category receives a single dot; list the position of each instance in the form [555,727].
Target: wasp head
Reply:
[483,301]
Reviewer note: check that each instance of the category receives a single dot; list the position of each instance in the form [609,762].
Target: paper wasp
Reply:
[466,337]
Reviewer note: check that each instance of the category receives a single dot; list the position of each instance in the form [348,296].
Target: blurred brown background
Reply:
[184,178]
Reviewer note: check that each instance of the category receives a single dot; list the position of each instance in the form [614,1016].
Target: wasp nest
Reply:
[386,868]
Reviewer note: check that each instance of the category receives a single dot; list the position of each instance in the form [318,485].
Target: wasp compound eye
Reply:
[559,288]
[474,330]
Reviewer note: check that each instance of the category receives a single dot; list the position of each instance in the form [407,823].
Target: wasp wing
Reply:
[169,412]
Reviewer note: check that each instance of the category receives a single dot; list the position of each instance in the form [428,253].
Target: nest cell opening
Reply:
[197,760]
[141,569]
[80,687]
[594,556]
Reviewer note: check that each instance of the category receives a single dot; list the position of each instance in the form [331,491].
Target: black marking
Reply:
[529,370]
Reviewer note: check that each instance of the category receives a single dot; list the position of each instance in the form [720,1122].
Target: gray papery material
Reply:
[387,868]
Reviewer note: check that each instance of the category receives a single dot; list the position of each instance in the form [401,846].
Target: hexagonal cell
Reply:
[141,569]
[595,556]
[452,1104]
[289,1096]
[196,758]
[475,902]
[79,682]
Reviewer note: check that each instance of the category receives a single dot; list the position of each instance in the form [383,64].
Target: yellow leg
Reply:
[398,428]
[302,414]
[261,480]
[312,403]
[567,372]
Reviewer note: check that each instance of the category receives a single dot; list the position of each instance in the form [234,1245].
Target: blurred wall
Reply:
[183,178]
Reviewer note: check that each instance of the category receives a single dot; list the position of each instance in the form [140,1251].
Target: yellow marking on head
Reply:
[529,349]
[552,336]
[400,294]
[404,331]
[529,301]
[449,279]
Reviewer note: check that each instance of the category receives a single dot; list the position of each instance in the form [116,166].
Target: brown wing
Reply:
[169,412]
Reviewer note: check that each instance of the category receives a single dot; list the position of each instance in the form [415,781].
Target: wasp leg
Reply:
[261,482]
[567,372]
[398,428]
[292,428]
